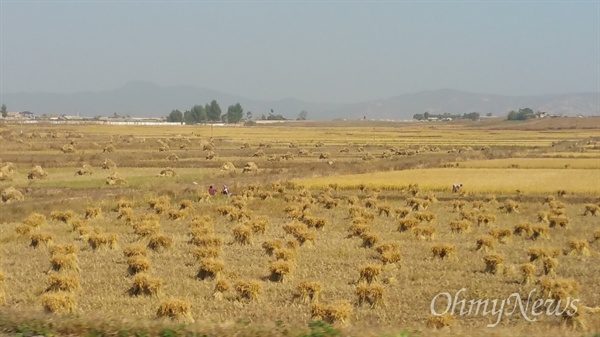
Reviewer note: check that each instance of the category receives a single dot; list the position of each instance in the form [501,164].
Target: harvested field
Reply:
[365,245]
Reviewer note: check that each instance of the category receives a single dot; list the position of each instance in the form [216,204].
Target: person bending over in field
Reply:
[225,190]
[456,187]
[212,190]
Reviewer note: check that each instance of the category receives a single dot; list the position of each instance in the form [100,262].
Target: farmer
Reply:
[456,187]
[225,190]
[212,190]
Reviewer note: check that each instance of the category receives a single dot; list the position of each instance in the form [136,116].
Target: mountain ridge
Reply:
[147,99]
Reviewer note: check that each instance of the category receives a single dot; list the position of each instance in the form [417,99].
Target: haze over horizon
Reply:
[326,52]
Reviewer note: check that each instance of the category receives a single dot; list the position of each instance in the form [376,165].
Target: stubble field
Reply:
[354,225]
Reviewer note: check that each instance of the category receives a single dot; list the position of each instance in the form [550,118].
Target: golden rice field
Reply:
[476,180]
[336,229]
[589,154]
[536,163]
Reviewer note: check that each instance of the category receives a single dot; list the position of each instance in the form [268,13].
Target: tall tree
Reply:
[175,116]
[188,117]
[4,111]
[235,113]
[199,113]
[213,111]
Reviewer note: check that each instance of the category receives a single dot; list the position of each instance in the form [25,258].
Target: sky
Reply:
[317,51]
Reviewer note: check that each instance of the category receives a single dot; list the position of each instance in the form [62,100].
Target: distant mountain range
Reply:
[145,99]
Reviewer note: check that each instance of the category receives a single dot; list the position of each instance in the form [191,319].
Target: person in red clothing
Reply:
[212,190]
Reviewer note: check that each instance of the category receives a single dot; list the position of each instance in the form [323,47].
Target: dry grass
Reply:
[11,194]
[493,263]
[559,221]
[331,258]
[591,209]
[528,270]
[58,302]
[369,273]
[63,282]
[578,247]
[284,254]
[443,251]
[144,284]
[248,290]
[106,240]
[539,253]
[93,212]
[336,312]
[242,235]
[37,173]
[64,216]
[160,242]
[370,239]
[135,250]
[115,179]
[390,253]
[210,268]
[485,243]
[510,206]
[63,262]
[35,220]
[539,231]
[502,235]
[41,238]
[63,249]
[440,322]
[524,229]
[271,245]
[280,270]
[406,224]
[549,264]
[221,286]
[478,180]
[175,309]
[200,253]
[371,294]
[138,264]
[308,291]
[460,226]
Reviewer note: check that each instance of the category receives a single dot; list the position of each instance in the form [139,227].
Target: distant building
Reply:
[20,115]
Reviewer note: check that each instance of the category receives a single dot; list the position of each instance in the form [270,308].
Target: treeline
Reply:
[425,116]
[211,112]
[523,114]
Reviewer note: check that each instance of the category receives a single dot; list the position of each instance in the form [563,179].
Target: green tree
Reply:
[472,116]
[525,114]
[521,115]
[235,113]
[188,118]
[418,117]
[4,111]
[198,113]
[175,117]
[248,115]
[213,111]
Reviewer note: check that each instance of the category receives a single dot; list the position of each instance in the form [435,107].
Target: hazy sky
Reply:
[321,51]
